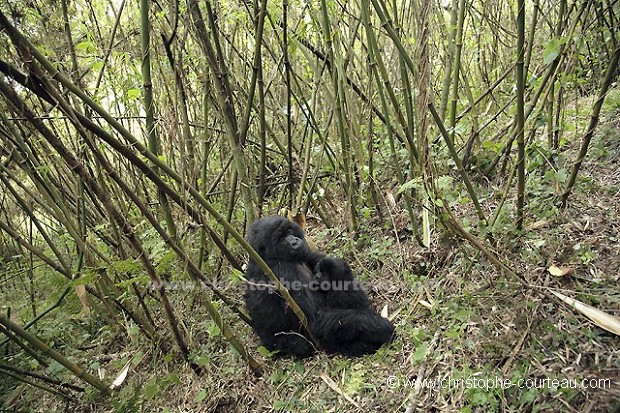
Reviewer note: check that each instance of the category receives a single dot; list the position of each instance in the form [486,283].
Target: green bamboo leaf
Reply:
[85,46]
[201,396]
[552,50]
[415,183]
[134,93]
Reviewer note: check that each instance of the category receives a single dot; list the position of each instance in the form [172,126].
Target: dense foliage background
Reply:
[462,156]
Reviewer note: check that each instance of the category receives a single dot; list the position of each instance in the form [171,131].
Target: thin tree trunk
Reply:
[520,125]
[149,107]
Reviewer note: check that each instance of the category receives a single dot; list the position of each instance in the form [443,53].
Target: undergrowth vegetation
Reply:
[472,185]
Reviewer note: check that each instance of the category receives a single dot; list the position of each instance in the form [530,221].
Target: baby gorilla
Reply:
[340,316]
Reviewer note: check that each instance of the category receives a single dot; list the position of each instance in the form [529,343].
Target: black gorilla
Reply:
[340,316]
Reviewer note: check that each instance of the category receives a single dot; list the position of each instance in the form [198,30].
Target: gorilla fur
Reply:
[340,316]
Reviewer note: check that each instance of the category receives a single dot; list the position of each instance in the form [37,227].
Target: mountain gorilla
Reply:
[340,316]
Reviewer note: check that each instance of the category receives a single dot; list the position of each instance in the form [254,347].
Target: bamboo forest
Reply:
[309,206]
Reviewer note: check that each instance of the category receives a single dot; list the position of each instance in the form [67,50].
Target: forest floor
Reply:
[468,338]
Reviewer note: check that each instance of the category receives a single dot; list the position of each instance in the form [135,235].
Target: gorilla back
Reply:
[342,321]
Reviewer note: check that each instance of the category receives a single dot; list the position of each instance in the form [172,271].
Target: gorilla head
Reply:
[278,238]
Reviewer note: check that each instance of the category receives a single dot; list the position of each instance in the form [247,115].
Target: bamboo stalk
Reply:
[520,121]
[149,107]
[449,61]
[456,67]
[457,161]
